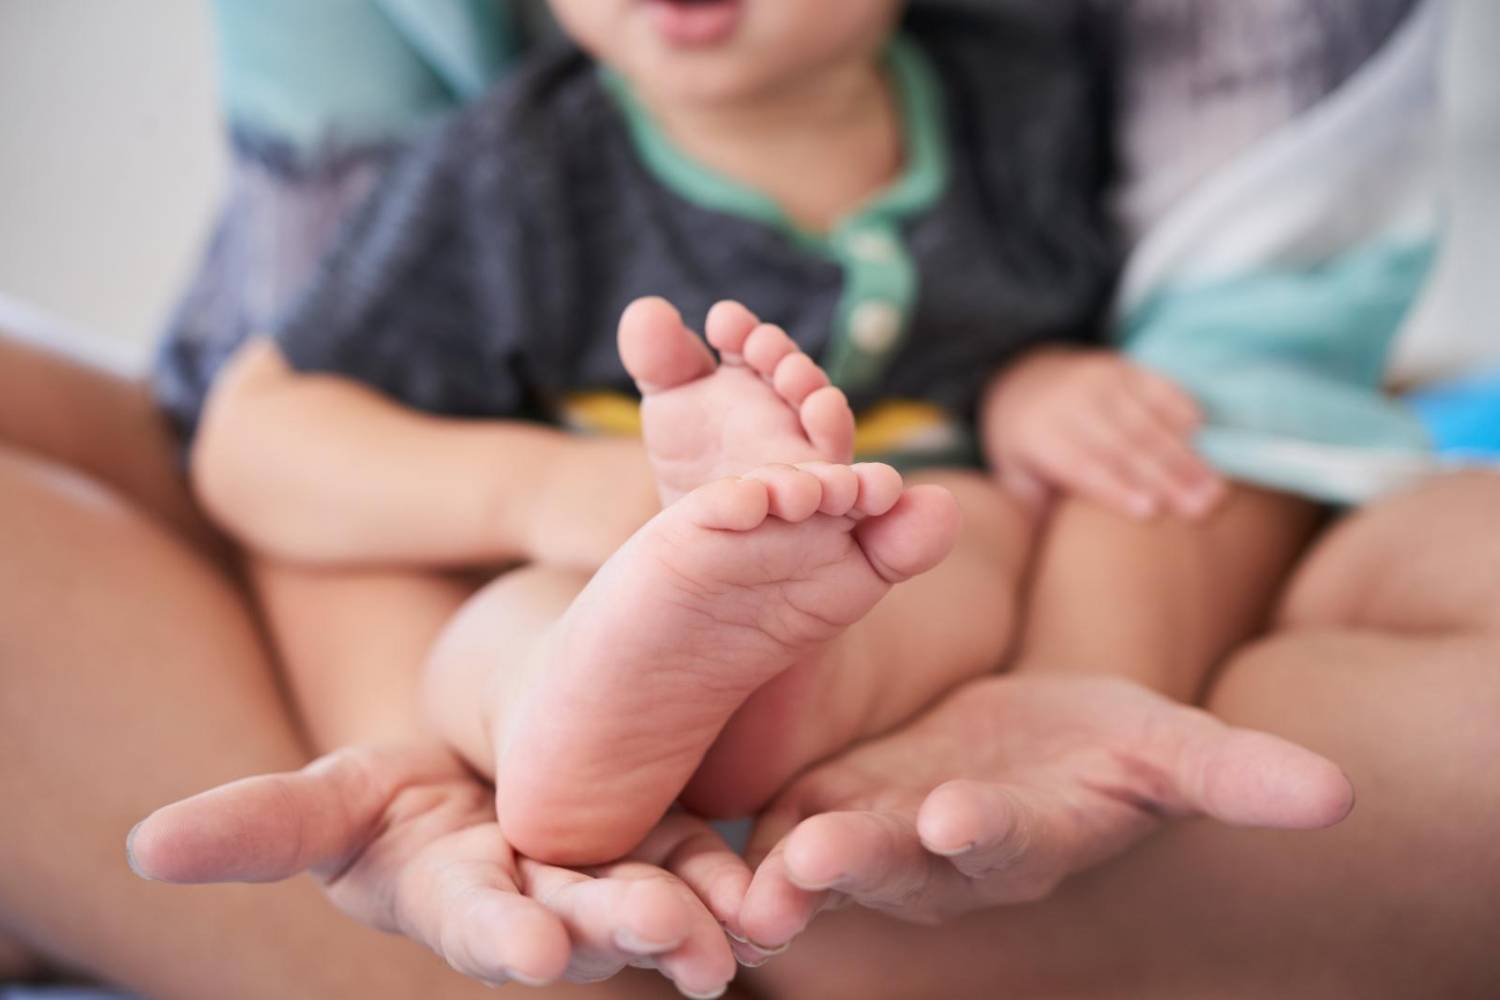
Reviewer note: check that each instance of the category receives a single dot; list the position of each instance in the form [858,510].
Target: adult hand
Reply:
[1005,789]
[404,839]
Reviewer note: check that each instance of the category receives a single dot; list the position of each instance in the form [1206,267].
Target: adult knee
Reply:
[1427,560]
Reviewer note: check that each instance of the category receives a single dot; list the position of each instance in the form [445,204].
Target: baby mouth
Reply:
[695,22]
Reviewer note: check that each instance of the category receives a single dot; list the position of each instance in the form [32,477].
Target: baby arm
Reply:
[1093,424]
[315,468]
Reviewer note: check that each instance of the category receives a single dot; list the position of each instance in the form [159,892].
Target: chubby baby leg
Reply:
[595,706]
[597,719]
[953,623]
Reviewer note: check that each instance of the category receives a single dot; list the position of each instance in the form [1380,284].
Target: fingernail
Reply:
[748,955]
[839,880]
[628,940]
[130,852]
[768,950]
[733,936]
[703,996]
[952,852]
[526,980]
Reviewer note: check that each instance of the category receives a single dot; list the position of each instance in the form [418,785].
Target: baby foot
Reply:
[726,588]
[767,403]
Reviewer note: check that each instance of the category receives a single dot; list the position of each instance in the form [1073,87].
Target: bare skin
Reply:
[631,685]
[1165,601]
[1092,424]
[557,704]
[192,696]
[1383,659]
[1201,909]
[1343,651]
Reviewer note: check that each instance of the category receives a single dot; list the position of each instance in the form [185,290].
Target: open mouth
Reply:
[695,22]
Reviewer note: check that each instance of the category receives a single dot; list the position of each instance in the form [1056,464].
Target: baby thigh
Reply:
[488,652]
[927,636]
[352,642]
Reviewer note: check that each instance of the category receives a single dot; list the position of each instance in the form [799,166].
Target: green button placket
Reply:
[874,312]
[881,282]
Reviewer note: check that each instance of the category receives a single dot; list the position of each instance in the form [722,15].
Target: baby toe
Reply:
[796,377]
[794,494]
[766,347]
[828,423]
[879,488]
[728,325]
[840,486]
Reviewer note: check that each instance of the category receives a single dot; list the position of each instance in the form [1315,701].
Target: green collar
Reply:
[919,186]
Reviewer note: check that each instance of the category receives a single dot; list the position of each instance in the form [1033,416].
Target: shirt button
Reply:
[872,245]
[874,326]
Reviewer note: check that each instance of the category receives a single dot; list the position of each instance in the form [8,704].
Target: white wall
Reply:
[1459,318]
[110,158]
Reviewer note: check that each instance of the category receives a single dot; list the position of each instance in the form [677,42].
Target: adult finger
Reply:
[1015,843]
[615,920]
[459,897]
[701,963]
[776,908]
[272,827]
[874,858]
[690,849]
[1246,778]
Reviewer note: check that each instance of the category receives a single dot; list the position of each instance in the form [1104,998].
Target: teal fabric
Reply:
[313,72]
[1290,356]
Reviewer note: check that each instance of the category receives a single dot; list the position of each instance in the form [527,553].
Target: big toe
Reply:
[658,351]
[914,535]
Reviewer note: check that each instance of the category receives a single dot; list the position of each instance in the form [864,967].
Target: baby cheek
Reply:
[598,26]
[807,34]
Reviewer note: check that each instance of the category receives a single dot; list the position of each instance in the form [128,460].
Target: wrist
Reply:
[520,488]
[588,493]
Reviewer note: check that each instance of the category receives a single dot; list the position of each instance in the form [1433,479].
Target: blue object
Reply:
[1463,416]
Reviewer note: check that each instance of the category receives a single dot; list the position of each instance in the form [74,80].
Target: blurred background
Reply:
[111,160]
[112,163]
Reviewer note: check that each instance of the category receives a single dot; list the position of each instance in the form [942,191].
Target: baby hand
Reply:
[1098,426]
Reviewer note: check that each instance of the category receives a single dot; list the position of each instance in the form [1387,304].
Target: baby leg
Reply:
[601,702]
[955,622]
[351,643]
